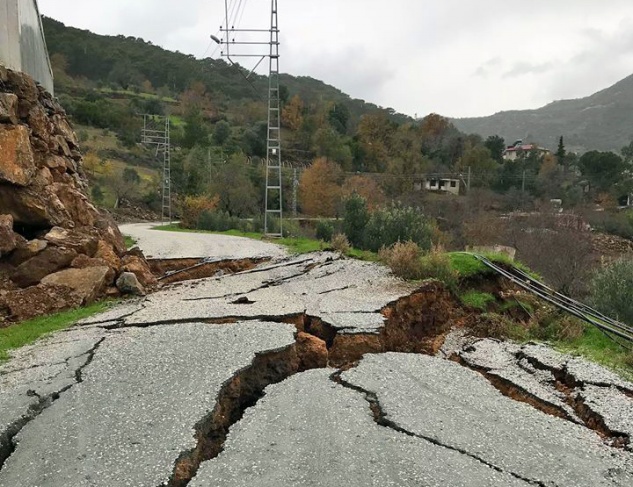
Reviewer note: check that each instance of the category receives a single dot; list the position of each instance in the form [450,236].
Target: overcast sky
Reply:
[458,58]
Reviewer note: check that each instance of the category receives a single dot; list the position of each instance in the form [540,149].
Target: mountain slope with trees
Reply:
[602,121]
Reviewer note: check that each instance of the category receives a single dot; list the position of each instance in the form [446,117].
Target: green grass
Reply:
[296,245]
[20,334]
[478,300]
[467,265]
[129,241]
[597,347]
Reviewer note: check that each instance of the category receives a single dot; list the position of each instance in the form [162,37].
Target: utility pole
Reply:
[273,201]
[295,186]
[156,131]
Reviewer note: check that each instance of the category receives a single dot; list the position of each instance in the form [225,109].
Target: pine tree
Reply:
[561,153]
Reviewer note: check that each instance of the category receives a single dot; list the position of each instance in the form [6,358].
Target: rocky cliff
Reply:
[56,249]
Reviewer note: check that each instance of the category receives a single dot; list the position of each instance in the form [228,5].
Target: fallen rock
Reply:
[312,352]
[26,250]
[24,304]
[87,283]
[128,283]
[105,252]
[80,242]
[17,163]
[8,240]
[8,108]
[46,262]
[138,266]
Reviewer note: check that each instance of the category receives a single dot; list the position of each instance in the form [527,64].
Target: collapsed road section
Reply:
[180,391]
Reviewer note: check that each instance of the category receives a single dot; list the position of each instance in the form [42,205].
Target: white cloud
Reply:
[418,56]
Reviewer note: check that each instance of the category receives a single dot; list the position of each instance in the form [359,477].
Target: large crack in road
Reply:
[177,374]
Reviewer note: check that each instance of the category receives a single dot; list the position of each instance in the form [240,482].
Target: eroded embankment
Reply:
[169,271]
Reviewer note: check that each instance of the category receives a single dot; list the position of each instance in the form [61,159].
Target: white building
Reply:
[443,185]
[22,43]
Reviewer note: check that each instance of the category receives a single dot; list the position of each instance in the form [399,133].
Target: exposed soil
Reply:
[169,271]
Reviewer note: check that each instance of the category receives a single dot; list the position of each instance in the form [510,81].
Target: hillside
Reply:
[602,121]
[126,61]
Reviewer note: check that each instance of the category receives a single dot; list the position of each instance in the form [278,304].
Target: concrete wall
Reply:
[22,43]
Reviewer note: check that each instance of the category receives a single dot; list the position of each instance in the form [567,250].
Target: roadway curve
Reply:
[158,244]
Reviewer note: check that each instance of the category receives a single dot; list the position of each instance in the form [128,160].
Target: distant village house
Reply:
[519,149]
[439,184]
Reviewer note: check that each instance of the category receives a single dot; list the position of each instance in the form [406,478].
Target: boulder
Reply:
[139,267]
[39,123]
[23,304]
[17,163]
[82,261]
[63,128]
[81,243]
[312,351]
[87,283]
[8,238]
[25,89]
[27,250]
[46,262]
[8,108]
[127,283]
[33,206]
[105,252]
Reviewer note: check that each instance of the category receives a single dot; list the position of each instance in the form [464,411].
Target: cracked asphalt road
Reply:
[169,391]
[179,245]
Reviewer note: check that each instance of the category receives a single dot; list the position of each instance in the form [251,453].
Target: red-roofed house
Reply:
[519,149]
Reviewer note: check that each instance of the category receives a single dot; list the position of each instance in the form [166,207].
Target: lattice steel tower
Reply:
[157,133]
[273,213]
[274,202]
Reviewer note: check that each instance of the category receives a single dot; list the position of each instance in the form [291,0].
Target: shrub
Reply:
[397,223]
[355,219]
[437,265]
[194,207]
[403,258]
[611,290]
[340,243]
[324,230]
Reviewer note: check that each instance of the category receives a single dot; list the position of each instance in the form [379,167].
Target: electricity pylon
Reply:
[273,198]
[156,131]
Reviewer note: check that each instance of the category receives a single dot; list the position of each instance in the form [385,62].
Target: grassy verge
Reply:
[129,241]
[296,245]
[20,334]
[477,300]
[597,347]
[466,265]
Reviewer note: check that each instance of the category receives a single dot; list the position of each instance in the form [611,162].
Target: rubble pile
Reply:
[57,250]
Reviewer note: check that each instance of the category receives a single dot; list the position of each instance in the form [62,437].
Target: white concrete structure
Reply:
[444,185]
[22,42]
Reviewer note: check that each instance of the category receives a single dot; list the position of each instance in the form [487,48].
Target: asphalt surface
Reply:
[135,410]
[309,431]
[117,399]
[179,245]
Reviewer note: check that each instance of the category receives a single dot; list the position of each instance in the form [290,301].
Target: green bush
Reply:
[403,258]
[397,223]
[324,230]
[355,220]
[611,290]
[219,221]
